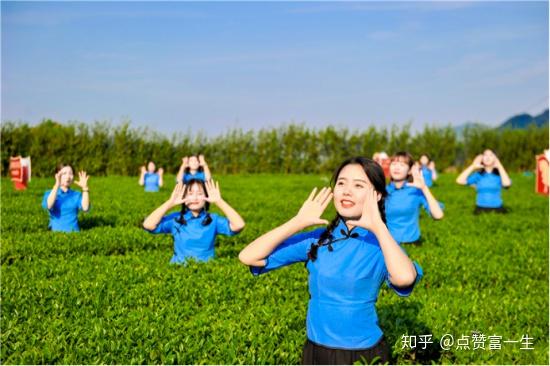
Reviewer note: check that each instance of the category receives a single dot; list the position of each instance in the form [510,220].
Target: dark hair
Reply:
[207,219]
[63,165]
[408,160]
[376,176]
[200,169]
[495,170]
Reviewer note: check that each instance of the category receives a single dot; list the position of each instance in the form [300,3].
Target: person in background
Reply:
[150,179]
[63,203]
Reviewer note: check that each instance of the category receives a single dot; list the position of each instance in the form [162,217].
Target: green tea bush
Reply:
[109,295]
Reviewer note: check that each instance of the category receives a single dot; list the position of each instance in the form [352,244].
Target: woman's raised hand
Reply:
[478,162]
[201,160]
[370,215]
[418,178]
[161,171]
[82,180]
[177,194]
[213,190]
[185,161]
[312,209]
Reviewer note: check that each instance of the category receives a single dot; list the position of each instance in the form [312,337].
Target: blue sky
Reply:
[212,66]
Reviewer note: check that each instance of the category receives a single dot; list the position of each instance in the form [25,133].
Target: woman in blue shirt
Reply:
[194,229]
[488,176]
[193,167]
[427,167]
[348,261]
[149,179]
[63,203]
[405,197]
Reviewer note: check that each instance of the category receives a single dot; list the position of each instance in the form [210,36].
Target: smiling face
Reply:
[488,158]
[350,191]
[424,160]
[193,163]
[151,167]
[67,176]
[196,195]
[399,168]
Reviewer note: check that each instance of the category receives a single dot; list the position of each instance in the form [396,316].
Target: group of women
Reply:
[348,258]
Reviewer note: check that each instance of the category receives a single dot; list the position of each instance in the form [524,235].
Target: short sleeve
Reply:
[406,291]
[223,226]
[166,224]
[292,250]
[424,203]
[78,198]
[473,178]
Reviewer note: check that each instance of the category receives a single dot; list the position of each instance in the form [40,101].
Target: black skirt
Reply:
[315,354]
[501,209]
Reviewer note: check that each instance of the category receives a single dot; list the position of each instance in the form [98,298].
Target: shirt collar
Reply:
[341,231]
[60,191]
[189,215]
[391,187]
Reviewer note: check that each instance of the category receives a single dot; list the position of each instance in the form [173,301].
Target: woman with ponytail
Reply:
[194,229]
[348,261]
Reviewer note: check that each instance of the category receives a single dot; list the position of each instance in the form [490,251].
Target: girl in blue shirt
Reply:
[406,197]
[488,176]
[194,229]
[63,203]
[149,179]
[348,261]
[193,167]
[427,167]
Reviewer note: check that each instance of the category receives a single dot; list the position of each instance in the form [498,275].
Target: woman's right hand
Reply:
[477,163]
[177,195]
[312,209]
[185,161]
[58,178]
[143,169]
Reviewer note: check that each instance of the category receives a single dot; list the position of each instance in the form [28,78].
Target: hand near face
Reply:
[161,171]
[201,160]
[213,190]
[177,194]
[185,161]
[143,169]
[82,180]
[58,178]
[370,215]
[478,162]
[418,178]
[431,165]
[312,209]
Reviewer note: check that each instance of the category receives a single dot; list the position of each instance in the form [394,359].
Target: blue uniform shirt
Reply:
[198,175]
[151,182]
[193,240]
[428,176]
[64,213]
[488,187]
[403,211]
[343,285]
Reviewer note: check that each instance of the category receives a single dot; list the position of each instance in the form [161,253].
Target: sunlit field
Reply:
[109,295]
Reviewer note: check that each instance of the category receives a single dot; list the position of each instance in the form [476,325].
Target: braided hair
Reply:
[376,176]
[207,219]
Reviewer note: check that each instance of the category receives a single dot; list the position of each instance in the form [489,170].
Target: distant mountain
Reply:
[524,120]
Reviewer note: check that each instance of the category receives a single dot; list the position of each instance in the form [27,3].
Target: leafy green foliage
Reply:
[109,295]
[104,150]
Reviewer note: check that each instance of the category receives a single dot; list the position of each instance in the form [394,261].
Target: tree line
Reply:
[103,149]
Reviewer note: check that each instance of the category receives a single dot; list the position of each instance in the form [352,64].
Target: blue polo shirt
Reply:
[403,212]
[343,285]
[428,176]
[193,240]
[151,182]
[64,213]
[198,175]
[488,188]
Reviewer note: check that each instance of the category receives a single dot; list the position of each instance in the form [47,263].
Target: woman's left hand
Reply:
[213,190]
[418,178]
[82,180]
[370,216]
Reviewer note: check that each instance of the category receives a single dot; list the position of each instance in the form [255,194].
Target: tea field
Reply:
[109,295]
